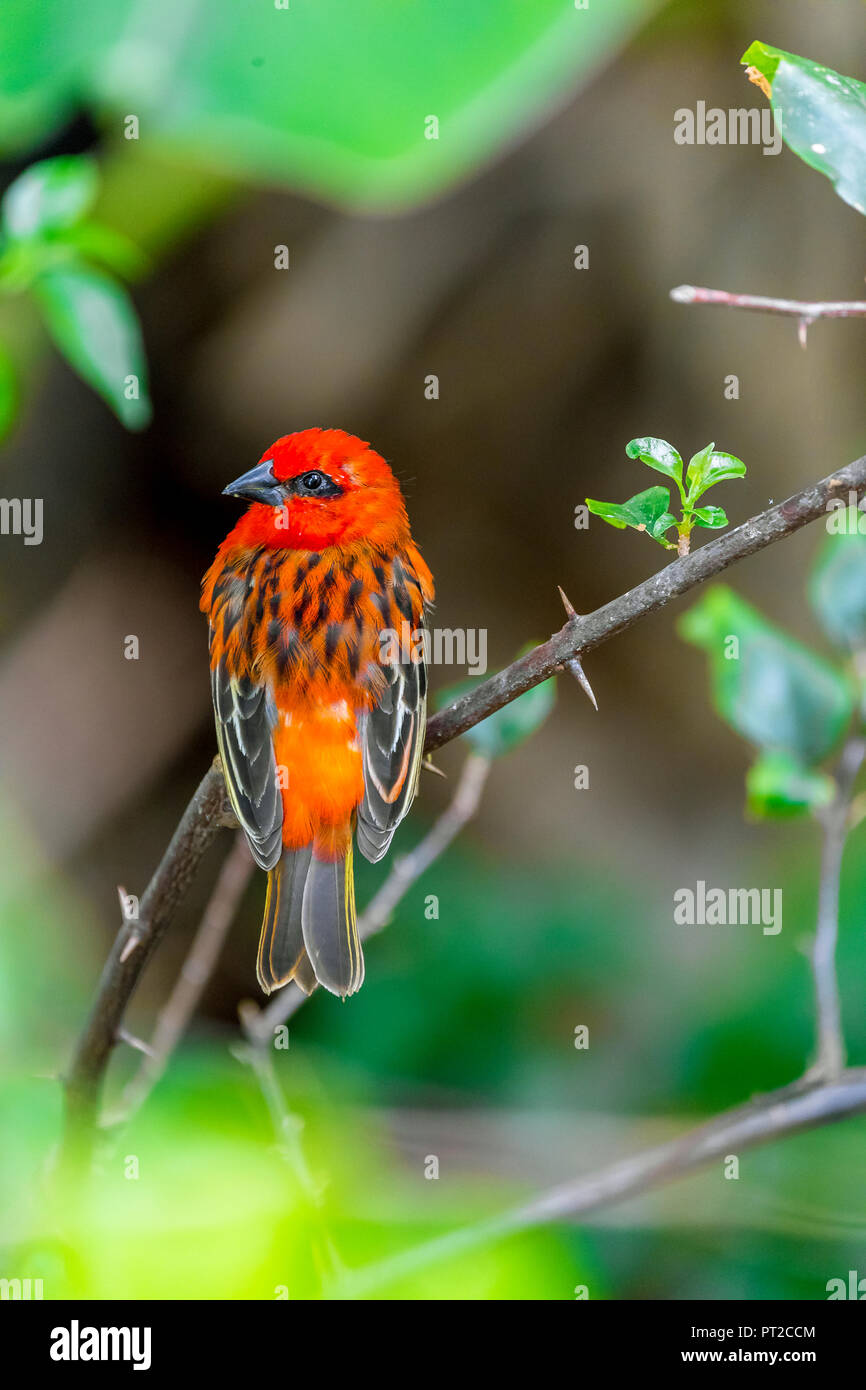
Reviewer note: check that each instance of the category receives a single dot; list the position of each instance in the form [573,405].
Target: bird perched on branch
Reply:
[320,721]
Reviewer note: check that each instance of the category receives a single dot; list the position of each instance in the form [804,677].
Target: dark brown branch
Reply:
[136,942]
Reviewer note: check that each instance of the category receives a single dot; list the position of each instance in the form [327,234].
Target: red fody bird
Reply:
[320,717]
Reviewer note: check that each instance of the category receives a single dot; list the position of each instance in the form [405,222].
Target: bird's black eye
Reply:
[315,484]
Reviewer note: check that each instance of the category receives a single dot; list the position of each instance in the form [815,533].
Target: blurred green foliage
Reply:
[50,248]
[475,1010]
[770,688]
[837,583]
[305,92]
[505,729]
[791,703]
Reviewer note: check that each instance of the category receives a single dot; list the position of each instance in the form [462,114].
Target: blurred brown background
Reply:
[545,373]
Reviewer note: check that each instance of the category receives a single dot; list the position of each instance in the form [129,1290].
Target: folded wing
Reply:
[244,721]
[392,737]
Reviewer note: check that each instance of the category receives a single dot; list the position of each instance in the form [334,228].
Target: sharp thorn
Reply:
[132,945]
[429,766]
[574,665]
[132,1041]
[567,603]
[579,674]
[803,331]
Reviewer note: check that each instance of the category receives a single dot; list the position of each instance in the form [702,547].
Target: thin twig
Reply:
[805,311]
[288,1128]
[405,872]
[766,1118]
[195,972]
[830,1043]
[136,942]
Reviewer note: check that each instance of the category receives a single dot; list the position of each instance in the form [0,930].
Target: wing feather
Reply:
[392,738]
[244,721]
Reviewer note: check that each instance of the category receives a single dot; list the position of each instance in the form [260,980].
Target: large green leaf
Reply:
[329,96]
[92,321]
[837,585]
[46,52]
[822,115]
[771,689]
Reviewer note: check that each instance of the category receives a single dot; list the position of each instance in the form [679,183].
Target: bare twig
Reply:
[137,940]
[288,1129]
[805,311]
[830,1043]
[762,1120]
[195,972]
[404,873]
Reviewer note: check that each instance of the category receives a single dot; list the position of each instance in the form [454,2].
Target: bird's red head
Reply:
[318,488]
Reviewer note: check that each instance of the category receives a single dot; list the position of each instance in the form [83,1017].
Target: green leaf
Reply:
[822,115]
[661,525]
[710,467]
[644,511]
[710,516]
[779,787]
[323,96]
[508,727]
[837,585]
[93,323]
[657,454]
[8,393]
[774,691]
[48,197]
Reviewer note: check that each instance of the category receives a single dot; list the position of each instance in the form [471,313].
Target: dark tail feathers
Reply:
[309,932]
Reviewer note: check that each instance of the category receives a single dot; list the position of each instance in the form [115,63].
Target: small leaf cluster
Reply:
[53,251]
[792,704]
[650,511]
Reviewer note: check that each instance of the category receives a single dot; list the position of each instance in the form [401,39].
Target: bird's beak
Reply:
[259,485]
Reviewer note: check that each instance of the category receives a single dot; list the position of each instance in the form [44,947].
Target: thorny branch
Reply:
[583,634]
[137,941]
[805,311]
